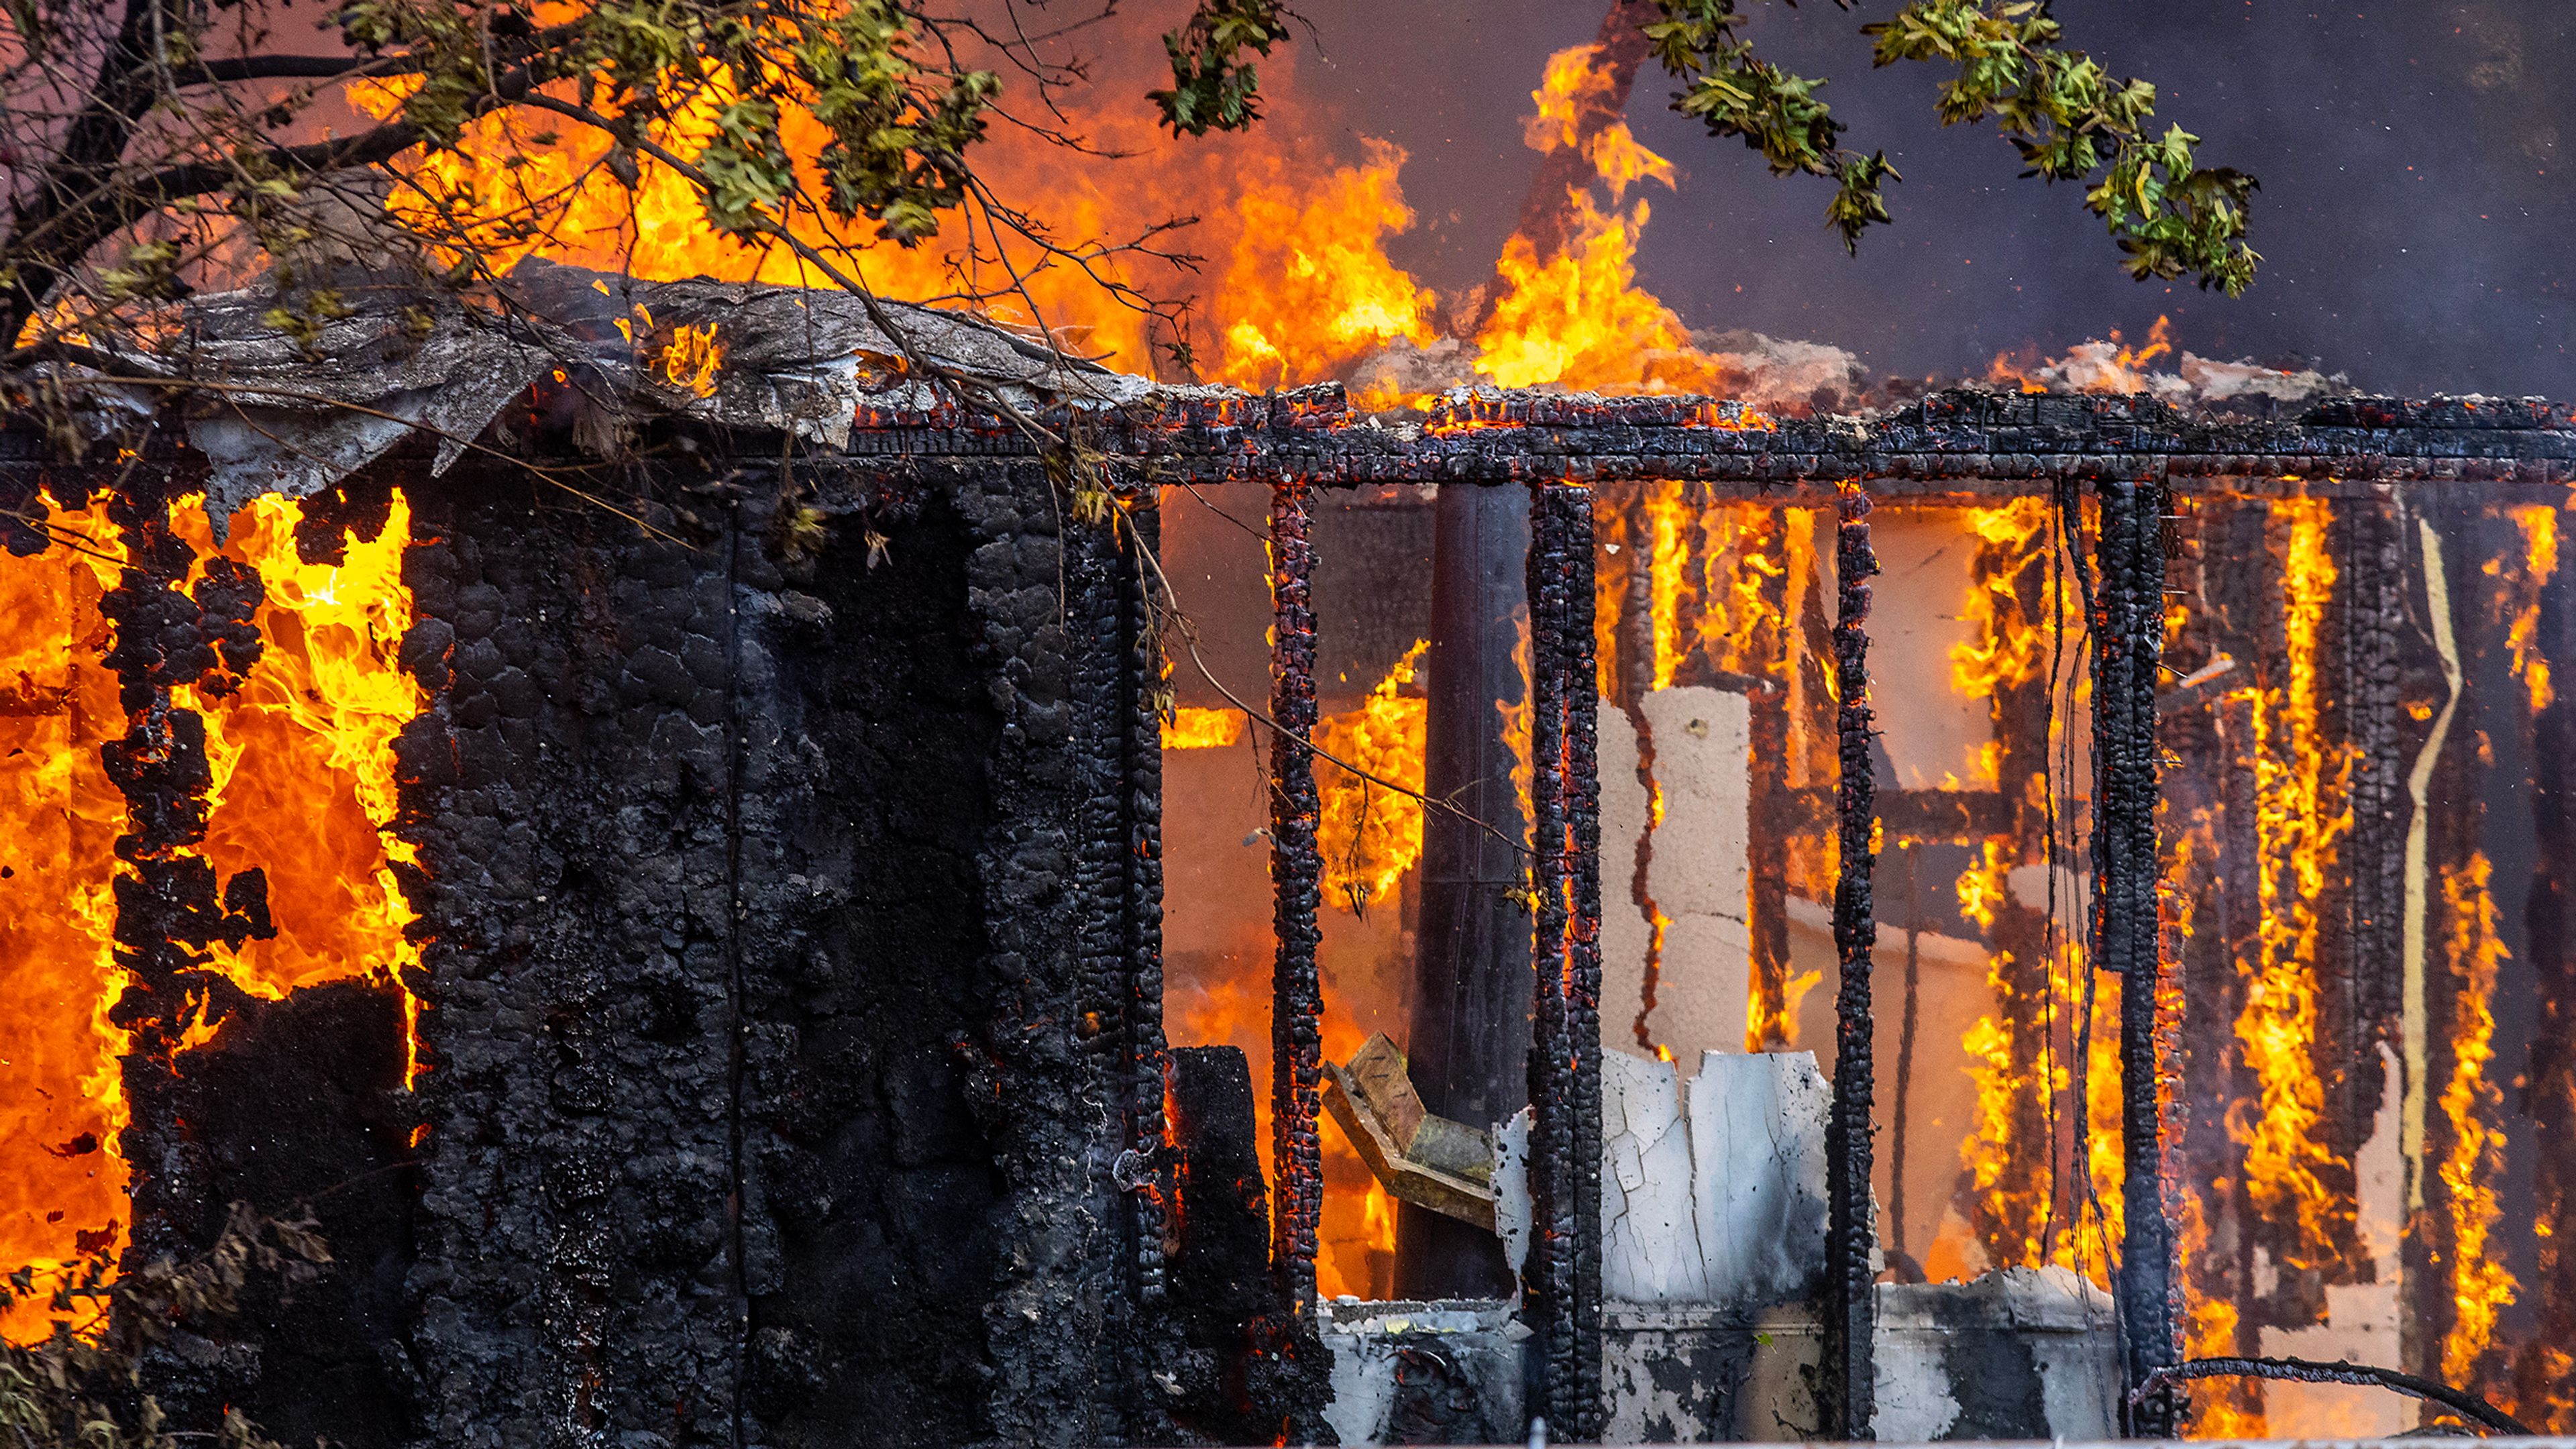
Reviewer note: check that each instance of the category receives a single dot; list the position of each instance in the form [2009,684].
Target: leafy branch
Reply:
[2070,119]
[1213,87]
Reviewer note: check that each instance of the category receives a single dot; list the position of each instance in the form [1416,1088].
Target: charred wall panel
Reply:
[872,1211]
[570,791]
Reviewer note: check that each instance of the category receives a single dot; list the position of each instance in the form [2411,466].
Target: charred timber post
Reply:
[1582,787]
[1469,1030]
[1147,1049]
[1849,1367]
[2128,632]
[1563,1277]
[1296,999]
[1548,1274]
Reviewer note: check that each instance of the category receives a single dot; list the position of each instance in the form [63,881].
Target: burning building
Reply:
[738,894]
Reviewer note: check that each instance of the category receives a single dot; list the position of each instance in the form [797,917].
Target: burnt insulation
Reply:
[1850,1313]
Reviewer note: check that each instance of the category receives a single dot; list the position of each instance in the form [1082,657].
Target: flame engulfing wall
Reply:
[297,795]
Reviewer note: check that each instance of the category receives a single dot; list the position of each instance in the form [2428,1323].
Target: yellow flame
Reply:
[1202,729]
[692,358]
[2539,526]
[1368,835]
[2480,1282]
[301,755]
[2300,824]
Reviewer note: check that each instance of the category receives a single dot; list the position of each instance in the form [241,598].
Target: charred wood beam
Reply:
[1848,1398]
[1147,1049]
[1581,784]
[2128,632]
[1562,1280]
[1296,999]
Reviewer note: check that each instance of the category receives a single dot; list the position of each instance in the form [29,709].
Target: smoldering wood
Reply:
[2127,936]
[1849,1307]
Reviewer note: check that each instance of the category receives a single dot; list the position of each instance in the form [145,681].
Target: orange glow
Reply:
[62,1086]
[302,755]
[2473,1162]
[1368,836]
[2539,527]
[1203,729]
[2300,823]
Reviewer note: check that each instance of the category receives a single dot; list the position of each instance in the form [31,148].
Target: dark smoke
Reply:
[2415,214]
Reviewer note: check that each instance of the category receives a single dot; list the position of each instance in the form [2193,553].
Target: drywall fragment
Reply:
[1649,1234]
[1702,748]
[1513,1210]
[1757,1146]
[1626,931]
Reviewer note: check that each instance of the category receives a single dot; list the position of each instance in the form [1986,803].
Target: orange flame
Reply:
[2300,825]
[301,786]
[692,358]
[2473,1163]
[2539,526]
[1572,85]
[1368,835]
[62,1086]
[302,755]
[1310,286]
[1202,729]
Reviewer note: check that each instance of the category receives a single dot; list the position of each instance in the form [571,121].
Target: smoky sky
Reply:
[2415,213]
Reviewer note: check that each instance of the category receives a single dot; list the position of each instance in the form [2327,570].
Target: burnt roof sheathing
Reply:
[273,416]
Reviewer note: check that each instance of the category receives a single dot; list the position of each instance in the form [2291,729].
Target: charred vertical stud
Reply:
[1564,1278]
[2128,632]
[1849,1317]
[1296,1001]
[1146,1046]
[1548,1276]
